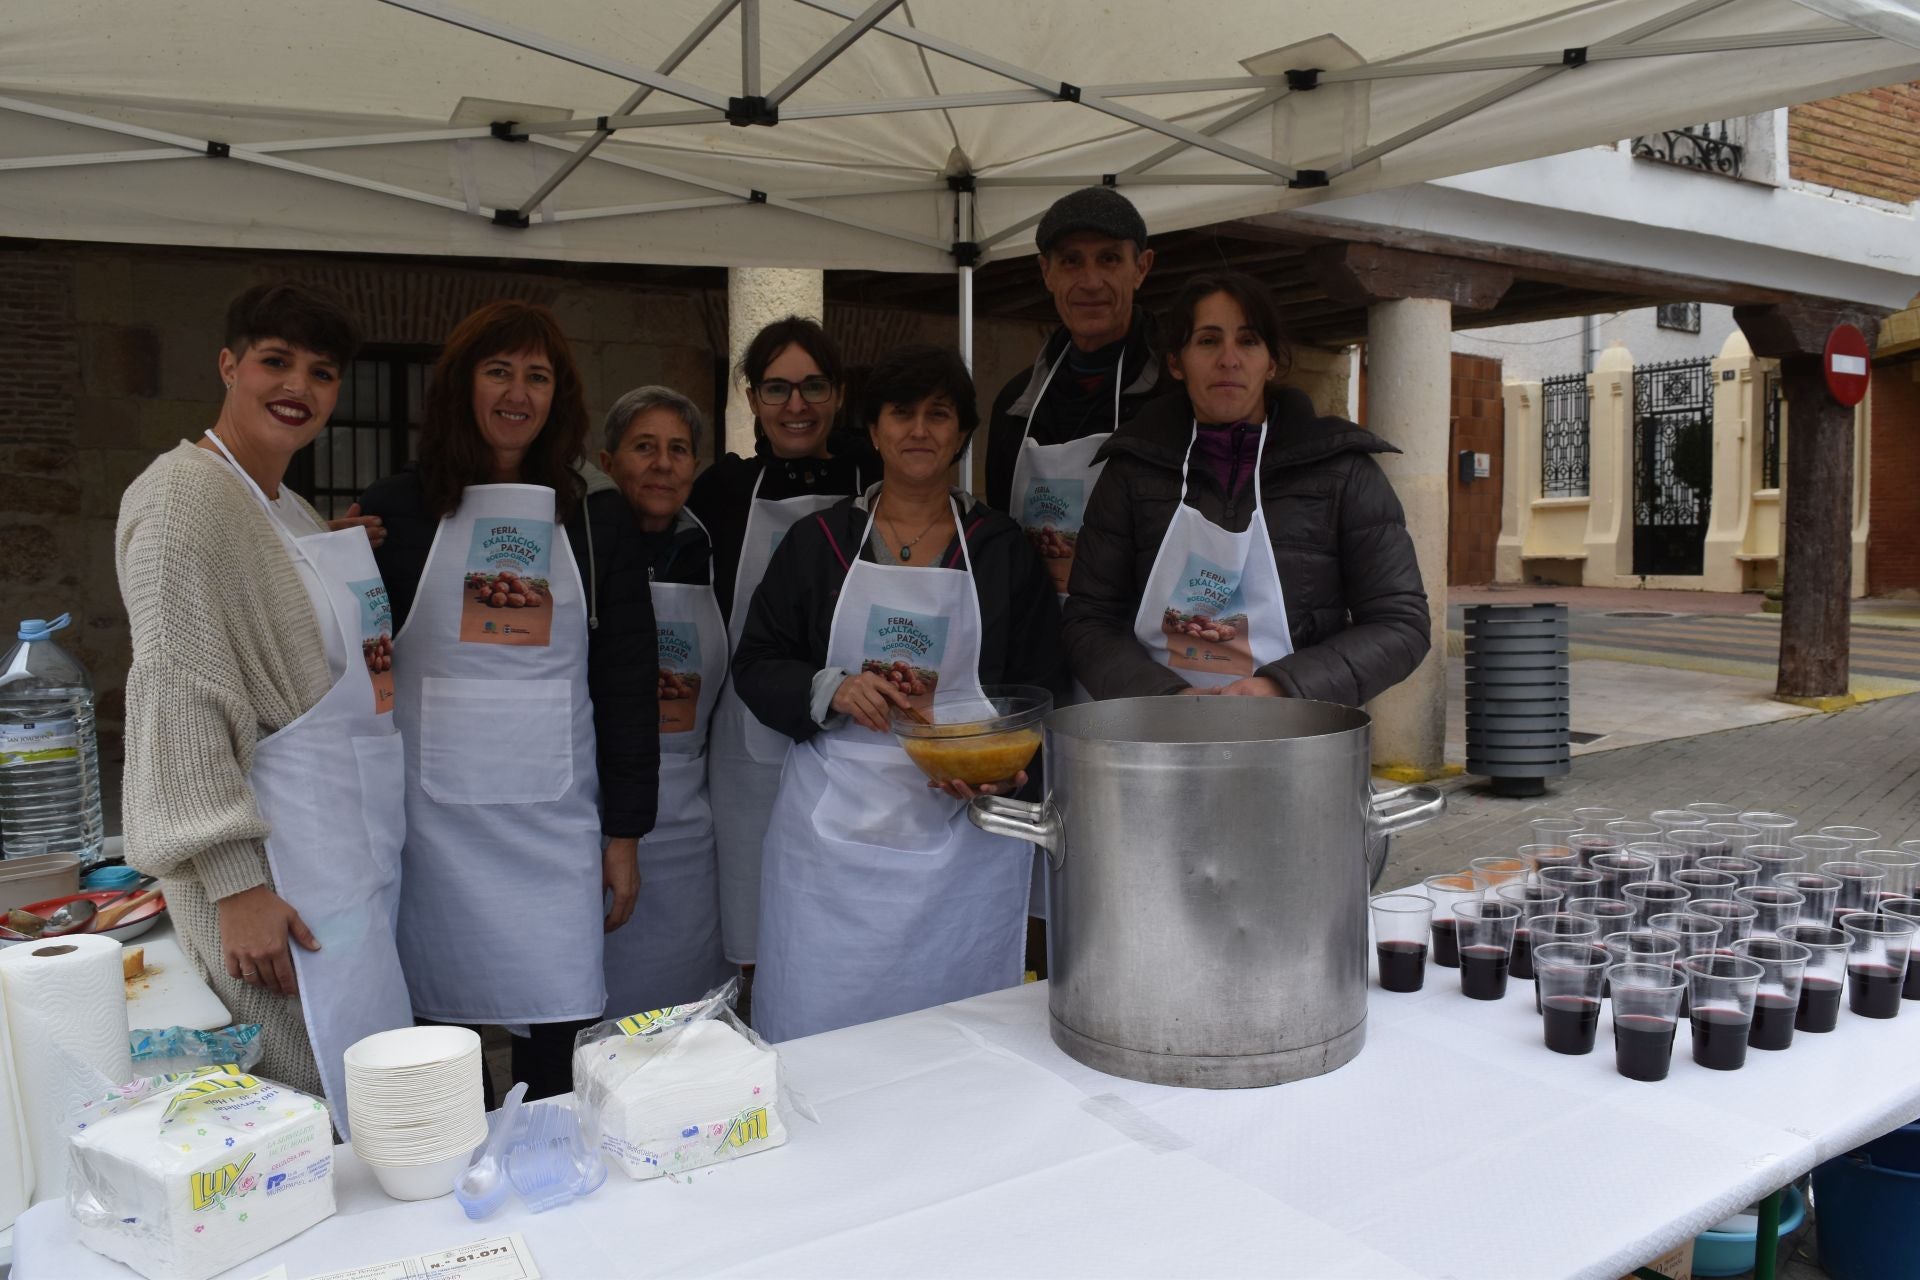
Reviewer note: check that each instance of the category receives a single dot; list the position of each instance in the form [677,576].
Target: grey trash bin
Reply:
[1517,695]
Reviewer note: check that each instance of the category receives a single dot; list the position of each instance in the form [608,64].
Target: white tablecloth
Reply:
[959,1141]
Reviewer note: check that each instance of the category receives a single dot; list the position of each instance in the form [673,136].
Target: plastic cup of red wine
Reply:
[1745,871]
[1720,993]
[1818,890]
[1858,837]
[1569,976]
[1447,892]
[1401,925]
[1533,900]
[1672,820]
[1908,909]
[1825,977]
[1697,934]
[1593,844]
[1859,886]
[1571,882]
[1596,817]
[1632,830]
[1609,915]
[1783,966]
[1666,858]
[1486,946]
[1736,918]
[1713,811]
[1877,951]
[1778,826]
[1560,926]
[1819,848]
[1775,859]
[1538,857]
[1496,870]
[1650,898]
[1703,885]
[1643,946]
[1902,868]
[1738,835]
[1774,908]
[1618,870]
[1699,843]
[1646,1009]
[1554,828]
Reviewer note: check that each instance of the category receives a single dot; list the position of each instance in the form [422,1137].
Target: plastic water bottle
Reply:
[49,755]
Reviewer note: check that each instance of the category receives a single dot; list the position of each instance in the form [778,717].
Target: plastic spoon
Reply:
[483,1187]
[71,918]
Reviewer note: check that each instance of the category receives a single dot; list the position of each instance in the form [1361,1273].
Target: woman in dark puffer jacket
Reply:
[1172,590]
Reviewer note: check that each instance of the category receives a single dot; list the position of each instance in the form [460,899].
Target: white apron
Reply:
[330,788]
[743,755]
[669,952]
[1212,611]
[878,896]
[501,914]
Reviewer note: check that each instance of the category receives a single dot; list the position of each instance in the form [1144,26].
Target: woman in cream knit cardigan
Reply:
[226,651]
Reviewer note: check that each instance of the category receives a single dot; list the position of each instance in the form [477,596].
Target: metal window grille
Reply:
[1563,432]
[1681,316]
[1770,436]
[1705,147]
[373,431]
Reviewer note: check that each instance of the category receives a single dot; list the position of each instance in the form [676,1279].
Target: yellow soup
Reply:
[987,758]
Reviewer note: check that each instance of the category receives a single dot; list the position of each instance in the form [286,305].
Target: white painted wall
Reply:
[1549,348]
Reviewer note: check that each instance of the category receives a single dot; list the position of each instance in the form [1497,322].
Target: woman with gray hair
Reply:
[669,952]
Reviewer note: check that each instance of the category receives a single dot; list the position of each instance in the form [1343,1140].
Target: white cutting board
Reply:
[171,993]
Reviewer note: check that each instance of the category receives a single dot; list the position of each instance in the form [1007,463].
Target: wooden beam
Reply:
[1362,274]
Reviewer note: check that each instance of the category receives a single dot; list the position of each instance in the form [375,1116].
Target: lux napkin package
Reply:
[673,1090]
[181,1177]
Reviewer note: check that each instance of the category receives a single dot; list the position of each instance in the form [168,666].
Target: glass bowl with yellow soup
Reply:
[974,737]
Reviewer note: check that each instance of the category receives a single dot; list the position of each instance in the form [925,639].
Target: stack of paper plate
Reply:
[416,1104]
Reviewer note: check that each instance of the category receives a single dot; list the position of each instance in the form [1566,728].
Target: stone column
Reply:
[756,297]
[1816,565]
[1520,479]
[1410,299]
[1409,381]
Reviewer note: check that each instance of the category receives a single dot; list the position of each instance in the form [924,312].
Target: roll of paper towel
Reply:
[66,1010]
[16,1164]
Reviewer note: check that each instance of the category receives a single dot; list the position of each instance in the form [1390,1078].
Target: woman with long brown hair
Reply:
[524,666]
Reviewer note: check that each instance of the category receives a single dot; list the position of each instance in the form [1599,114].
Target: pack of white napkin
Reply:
[184,1177]
[681,1098]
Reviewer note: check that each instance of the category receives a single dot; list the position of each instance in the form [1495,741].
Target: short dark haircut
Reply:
[296,315]
[793,331]
[907,375]
[1256,303]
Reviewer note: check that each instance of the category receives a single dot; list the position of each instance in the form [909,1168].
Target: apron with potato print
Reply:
[330,788]
[501,907]
[878,895]
[669,951]
[1213,611]
[744,756]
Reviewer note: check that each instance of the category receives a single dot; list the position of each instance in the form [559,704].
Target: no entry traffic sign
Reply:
[1846,363]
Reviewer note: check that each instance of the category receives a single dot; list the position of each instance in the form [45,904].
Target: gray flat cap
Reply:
[1098,209]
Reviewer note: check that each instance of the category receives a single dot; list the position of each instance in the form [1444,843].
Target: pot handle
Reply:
[1038,822]
[1402,808]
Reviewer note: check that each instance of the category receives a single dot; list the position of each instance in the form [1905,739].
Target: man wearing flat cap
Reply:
[1094,373]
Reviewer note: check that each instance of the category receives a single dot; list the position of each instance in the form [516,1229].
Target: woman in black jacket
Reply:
[1173,588]
[524,672]
[878,896]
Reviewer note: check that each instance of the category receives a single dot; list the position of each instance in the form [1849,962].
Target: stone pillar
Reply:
[1410,299]
[756,297]
[1610,470]
[1410,351]
[1519,480]
[1816,566]
[1739,423]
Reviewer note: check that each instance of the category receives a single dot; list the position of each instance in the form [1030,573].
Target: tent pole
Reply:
[966,354]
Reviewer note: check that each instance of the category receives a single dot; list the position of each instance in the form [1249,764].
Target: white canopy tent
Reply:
[822,133]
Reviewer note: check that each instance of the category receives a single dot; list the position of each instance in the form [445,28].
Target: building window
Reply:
[1681,316]
[374,429]
[1563,437]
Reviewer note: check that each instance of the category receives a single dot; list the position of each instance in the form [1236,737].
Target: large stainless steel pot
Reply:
[1209,876]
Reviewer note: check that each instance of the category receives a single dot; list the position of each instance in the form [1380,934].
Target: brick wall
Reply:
[1893,500]
[1867,143]
[1478,424]
[112,362]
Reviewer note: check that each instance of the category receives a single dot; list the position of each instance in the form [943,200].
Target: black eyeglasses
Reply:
[816,390]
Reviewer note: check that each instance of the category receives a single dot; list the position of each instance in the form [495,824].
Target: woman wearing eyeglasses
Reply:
[795,382]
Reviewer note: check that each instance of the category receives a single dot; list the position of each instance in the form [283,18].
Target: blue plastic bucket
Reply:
[1869,1209]
[1730,1253]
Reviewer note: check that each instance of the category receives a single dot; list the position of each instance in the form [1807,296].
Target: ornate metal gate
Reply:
[1672,465]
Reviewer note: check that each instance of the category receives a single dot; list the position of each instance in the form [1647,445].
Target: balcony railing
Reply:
[1705,147]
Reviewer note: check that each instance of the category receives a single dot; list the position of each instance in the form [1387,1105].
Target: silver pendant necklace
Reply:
[906,548]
